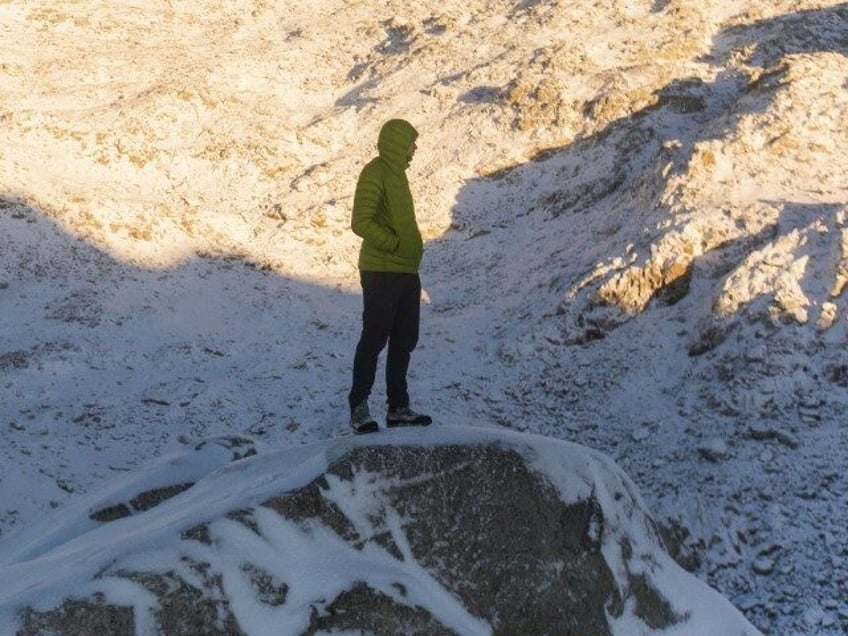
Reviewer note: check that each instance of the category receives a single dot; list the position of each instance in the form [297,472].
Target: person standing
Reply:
[384,217]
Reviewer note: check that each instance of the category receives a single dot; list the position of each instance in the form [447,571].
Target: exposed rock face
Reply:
[491,531]
[459,535]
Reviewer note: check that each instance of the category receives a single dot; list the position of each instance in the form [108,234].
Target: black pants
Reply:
[392,311]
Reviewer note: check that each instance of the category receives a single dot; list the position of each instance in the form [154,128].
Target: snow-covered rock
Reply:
[442,531]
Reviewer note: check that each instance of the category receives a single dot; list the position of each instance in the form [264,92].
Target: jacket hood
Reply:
[394,140]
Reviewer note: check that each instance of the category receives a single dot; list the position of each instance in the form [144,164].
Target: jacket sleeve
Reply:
[366,220]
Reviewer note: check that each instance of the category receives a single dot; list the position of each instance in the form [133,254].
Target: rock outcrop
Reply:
[448,531]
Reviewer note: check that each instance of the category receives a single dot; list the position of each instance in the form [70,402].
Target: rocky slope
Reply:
[635,218]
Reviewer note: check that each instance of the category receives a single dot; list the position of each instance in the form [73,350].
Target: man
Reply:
[384,216]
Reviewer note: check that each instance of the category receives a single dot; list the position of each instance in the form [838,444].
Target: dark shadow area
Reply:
[358,97]
[768,41]
[105,365]
[398,39]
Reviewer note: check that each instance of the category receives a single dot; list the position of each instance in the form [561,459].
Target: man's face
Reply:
[411,152]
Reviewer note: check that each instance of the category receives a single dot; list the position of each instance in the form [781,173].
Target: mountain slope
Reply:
[636,240]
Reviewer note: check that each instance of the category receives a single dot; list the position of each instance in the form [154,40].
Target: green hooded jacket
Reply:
[383,211]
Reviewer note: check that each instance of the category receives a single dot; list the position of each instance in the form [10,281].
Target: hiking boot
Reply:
[405,416]
[361,420]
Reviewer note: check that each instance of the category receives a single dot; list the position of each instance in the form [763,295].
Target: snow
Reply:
[176,263]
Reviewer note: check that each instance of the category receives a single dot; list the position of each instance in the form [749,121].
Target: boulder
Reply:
[440,531]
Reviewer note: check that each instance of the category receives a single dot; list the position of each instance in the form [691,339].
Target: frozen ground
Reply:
[635,219]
